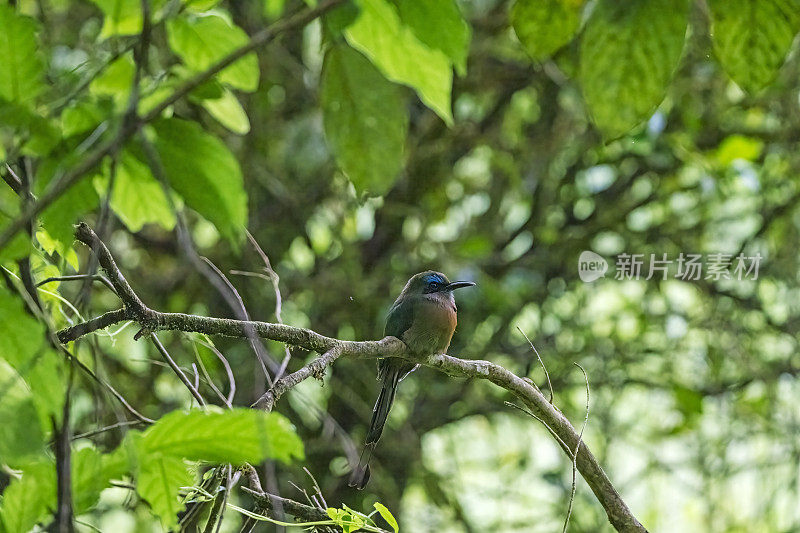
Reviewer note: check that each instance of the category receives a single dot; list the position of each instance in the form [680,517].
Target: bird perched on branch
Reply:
[424,318]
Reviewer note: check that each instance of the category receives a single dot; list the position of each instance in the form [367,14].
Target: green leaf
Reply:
[283,443]
[50,245]
[21,435]
[202,40]
[365,119]
[228,112]
[21,66]
[120,17]
[81,117]
[21,335]
[159,479]
[23,346]
[29,500]
[202,170]
[440,26]
[544,26]
[200,5]
[688,401]
[273,8]
[48,382]
[629,52]
[234,436]
[20,246]
[394,48]
[60,216]
[44,136]
[387,515]
[91,473]
[345,519]
[138,198]
[116,80]
[739,147]
[753,37]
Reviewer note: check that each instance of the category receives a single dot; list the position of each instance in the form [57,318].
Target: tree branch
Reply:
[331,349]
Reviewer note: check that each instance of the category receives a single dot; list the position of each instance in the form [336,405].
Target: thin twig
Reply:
[228,371]
[175,368]
[547,427]
[546,373]
[124,423]
[120,398]
[275,279]
[74,277]
[575,453]
[210,381]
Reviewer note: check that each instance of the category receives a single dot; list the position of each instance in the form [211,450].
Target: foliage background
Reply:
[665,126]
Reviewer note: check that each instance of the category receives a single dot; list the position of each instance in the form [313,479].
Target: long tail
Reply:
[391,376]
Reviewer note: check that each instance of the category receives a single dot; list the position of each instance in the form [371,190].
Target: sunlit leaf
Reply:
[273,8]
[91,473]
[116,80]
[397,52]
[29,500]
[81,117]
[59,217]
[228,112]
[202,40]
[21,66]
[200,5]
[120,17]
[159,479]
[137,198]
[234,436]
[21,336]
[387,515]
[739,147]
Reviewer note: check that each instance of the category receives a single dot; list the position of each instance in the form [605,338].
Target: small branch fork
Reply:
[150,320]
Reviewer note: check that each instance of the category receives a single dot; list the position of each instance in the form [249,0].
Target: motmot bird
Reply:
[424,318]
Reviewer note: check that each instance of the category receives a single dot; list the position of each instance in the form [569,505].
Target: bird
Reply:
[424,318]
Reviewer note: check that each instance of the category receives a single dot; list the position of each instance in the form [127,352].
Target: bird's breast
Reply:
[432,328]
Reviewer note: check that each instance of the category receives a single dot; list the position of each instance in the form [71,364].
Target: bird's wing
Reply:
[398,321]
[400,318]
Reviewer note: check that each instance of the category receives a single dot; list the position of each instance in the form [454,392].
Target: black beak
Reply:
[458,285]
